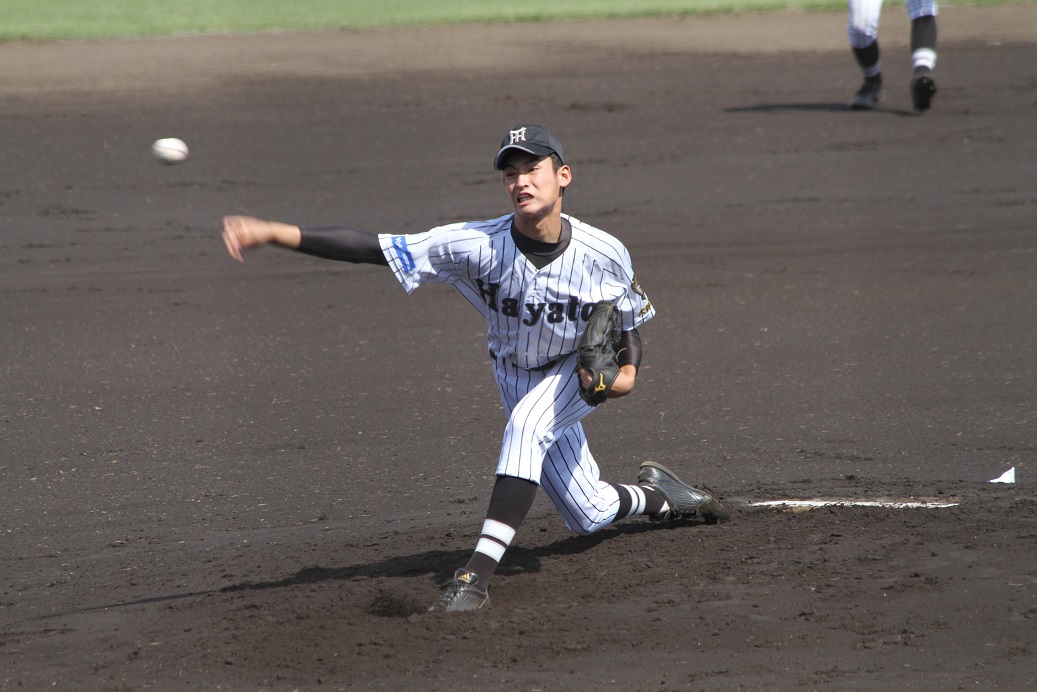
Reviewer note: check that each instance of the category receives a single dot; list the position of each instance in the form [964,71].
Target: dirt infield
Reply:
[216,476]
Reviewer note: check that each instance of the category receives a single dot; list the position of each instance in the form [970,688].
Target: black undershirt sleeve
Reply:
[342,244]
[630,349]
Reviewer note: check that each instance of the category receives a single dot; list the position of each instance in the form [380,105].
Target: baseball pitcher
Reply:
[562,308]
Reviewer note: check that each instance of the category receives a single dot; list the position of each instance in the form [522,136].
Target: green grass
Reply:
[47,20]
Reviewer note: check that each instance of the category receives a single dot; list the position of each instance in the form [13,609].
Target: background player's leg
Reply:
[863,28]
[923,54]
[868,59]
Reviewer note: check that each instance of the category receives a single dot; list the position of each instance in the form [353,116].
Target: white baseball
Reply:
[170,150]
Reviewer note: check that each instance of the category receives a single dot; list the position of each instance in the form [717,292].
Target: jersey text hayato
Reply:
[553,312]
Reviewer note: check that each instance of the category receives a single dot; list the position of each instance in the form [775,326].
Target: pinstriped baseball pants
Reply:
[863,25]
[544,442]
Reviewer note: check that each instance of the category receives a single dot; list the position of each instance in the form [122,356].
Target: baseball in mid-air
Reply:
[170,150]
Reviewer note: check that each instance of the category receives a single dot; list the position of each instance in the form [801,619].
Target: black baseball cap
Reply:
[533,139]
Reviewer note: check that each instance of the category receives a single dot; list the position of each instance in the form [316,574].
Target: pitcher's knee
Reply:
[584,525]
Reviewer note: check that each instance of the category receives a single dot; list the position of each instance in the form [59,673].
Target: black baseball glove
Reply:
[597,352]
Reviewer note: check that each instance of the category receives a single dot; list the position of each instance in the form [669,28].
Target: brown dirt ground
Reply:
[227,477]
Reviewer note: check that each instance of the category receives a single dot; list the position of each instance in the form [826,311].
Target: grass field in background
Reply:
[47,20]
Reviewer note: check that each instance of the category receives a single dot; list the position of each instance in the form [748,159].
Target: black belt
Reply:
[540,368]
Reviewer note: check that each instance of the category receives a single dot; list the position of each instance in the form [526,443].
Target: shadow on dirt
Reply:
[440,563]
[813,108]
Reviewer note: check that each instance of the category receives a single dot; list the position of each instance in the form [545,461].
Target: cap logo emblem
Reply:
[518,135]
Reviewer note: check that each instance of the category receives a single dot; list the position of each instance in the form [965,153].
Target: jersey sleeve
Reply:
[420,258]
[441,255]
[633,304]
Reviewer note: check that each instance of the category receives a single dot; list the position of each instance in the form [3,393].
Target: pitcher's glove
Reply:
[597,352]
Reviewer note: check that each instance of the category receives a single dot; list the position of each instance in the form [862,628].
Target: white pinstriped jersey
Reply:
[534,316]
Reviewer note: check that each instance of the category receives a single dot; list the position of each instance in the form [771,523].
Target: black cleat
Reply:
[923,88]
[684,500]
[462,593]
[868,96]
